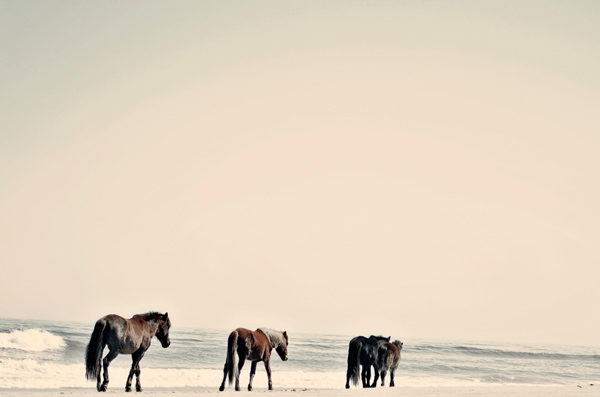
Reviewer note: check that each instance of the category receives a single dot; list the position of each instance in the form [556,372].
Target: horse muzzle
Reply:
[166,343]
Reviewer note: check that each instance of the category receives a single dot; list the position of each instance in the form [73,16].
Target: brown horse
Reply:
[123,336]
[389,358]
[254,346]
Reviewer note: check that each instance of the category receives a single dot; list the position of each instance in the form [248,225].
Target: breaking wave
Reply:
[31,340]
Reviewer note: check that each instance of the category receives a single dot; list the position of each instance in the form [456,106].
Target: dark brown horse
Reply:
[388,359]
[362,352]
[123,336]
[254,346]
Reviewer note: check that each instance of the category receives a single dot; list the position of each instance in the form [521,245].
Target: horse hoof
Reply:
[238,389]
[139,389]
[128,389]
[102,388]
[221,388]
[249,388]
[347,386]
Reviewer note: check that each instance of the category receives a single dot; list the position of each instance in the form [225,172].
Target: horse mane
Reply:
[149,315]
[378,337]
[276,337]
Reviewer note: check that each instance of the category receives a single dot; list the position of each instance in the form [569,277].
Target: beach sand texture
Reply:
[485,391]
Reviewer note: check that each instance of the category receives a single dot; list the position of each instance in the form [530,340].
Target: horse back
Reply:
[126,335]
[396,355]
[391,348]
[114,319]
[243,333]
[115,325]
[256,344]
[390,354]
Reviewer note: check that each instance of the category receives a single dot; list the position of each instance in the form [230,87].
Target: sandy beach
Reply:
[478,391]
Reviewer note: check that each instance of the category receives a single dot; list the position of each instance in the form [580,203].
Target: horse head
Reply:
[281,349]
[399,344]
[162,334]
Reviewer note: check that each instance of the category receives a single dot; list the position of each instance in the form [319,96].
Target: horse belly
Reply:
[130,346]
[254,355]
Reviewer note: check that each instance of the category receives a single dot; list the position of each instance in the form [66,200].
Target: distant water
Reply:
[43,354]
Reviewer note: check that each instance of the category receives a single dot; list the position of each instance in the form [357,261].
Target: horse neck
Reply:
[275,337]
[153,321]
[153,325]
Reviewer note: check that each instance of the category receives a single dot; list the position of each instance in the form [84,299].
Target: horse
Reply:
[132,336]
[363,352]
[388,360]
[254,346]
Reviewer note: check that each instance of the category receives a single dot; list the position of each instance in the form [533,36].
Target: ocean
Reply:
[50,355]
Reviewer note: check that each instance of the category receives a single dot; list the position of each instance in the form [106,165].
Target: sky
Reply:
[419,169]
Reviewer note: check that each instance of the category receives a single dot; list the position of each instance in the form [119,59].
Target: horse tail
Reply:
[230,362]
[93,352]
[354,351]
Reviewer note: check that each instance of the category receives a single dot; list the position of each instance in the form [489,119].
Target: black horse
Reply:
[363,352]
[123,336]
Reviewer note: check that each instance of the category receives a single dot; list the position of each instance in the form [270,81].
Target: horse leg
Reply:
[367,376]
[106,362]
[268,369]
[138,384]
[237,376]
[252,372]
[99,380]
[392,373]
[363,376]
[383,374]
[135,369]
[376,377]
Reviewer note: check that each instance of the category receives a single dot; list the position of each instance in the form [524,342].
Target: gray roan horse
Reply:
[362,352]
[388,359]
[254,346]
[123,336]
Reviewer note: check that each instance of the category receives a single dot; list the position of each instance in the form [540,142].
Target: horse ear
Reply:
[166,315]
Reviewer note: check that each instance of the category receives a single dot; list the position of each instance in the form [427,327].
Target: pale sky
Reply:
[408,168]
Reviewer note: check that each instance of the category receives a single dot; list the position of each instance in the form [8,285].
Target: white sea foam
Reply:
[33,340]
